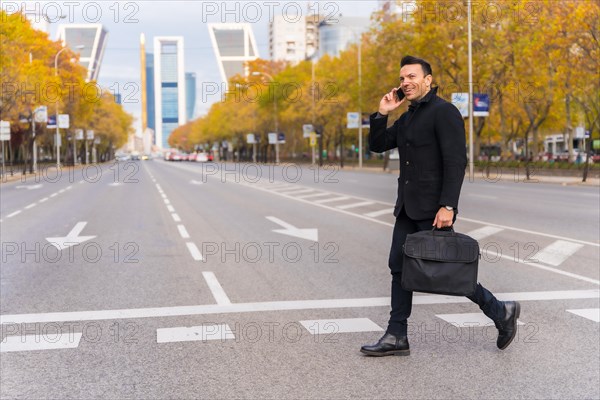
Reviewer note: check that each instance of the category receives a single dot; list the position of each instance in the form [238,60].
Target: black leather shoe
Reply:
[388,345]
[507,326]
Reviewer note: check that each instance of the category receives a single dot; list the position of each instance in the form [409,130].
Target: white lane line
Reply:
[196,255]
[329,326]
[313,195]
[99,315]
[355,205]
[166,201]
[158,187]
[176,217]
[183,232]
[482,233]
[40,342]
[61,191]
[387,211]
[476,221]
[170,208]
[43,200]
[13,214]
[589,313]
[30,206]
[69,187]
[216,289]
[194,333]
[557,252]
[164,196]
[466,320]
[483,196]
[332,200]
[54,194]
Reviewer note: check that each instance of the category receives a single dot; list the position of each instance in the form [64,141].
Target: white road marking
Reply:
[466,320]
[13,214]
[332,200]
[43,200]
[355,205]
[69,187]
[40,342]
[176,217]
[54,194]
[166,201]
[290,230]
[170,208]
[483,196]
[331,326]
[164,196]
[71,239]
[296,191]
[61,191]
[216,289]
[550,269]
[30,206]
[183,232]
[196,255]
[158,187]
[194,333]
[557,252]
[313,195]
[476,221]
[115,184]
[387,211]
[589,313]
[482,233]
[156,312]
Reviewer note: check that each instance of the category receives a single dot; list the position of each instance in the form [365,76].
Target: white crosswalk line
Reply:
[332,200]
[40,342]
[387,211]
[466,320]
[313,195]
[557,252]
[355,205]
[296,191]
[329,326]
[589,313]
[482,233]
[194,333]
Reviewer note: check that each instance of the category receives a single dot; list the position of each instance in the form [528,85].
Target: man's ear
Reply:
[428,80]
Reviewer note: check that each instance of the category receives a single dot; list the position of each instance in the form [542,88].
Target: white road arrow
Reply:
[195,182]
[308,234]
[71,239]
[29,187]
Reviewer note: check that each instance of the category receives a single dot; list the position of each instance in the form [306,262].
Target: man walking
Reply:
[430,138]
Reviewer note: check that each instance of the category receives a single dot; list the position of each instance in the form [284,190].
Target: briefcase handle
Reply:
[445,229]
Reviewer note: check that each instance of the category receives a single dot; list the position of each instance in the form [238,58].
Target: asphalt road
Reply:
[181,280]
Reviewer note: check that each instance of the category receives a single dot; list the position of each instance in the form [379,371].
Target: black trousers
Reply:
[402,299]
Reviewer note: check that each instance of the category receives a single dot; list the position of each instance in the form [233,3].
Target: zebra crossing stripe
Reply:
[482,233]
[557,252]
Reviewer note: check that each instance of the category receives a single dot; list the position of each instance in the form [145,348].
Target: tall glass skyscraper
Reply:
[190,94]
[93,38]
[169,87]
[150,107]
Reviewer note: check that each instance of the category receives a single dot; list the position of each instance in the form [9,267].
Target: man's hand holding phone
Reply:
[391,101]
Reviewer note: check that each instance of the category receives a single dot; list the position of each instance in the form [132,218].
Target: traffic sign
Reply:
[313,139]
[272,138]
[281,138]
[353,120]
[89,134]
[63,121]
[40,114]
[250,138]
[4,130]
[306,130]
[79,134]
[461,101]
[51,122]
[481,105]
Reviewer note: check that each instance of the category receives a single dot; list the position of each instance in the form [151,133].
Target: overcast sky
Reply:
[125,20]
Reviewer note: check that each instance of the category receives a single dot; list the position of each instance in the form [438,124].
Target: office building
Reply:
[93,38]
[190,94]
[234,45]
[335,37]
[169,87]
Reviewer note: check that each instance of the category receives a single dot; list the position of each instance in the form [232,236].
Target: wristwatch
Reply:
[449,208]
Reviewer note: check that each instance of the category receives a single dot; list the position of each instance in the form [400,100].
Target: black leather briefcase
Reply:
[440,262]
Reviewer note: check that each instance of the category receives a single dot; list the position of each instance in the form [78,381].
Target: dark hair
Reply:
[410,60]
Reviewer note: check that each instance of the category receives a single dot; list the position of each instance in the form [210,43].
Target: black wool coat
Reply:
[430,138]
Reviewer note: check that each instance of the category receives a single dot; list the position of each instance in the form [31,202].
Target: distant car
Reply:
[175,157]
[123,157]
[202,157]
[192,157]
[145,157]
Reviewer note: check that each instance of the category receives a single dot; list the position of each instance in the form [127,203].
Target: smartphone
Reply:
[400,94]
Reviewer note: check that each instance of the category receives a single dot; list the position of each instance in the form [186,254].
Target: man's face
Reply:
[413,82]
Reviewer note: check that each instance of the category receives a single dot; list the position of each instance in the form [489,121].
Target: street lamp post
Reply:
[57,130]
[257,73]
